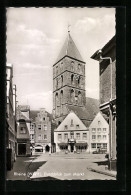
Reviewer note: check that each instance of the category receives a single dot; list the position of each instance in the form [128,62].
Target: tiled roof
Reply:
[87,113]
[69,49]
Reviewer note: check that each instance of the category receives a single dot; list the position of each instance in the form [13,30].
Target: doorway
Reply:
[47,148]
[72,147]
[21,149]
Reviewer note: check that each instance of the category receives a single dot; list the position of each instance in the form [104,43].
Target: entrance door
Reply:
[47,148]
[72,147]
[21,149]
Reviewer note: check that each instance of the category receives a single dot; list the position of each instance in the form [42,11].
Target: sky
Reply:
[35,37]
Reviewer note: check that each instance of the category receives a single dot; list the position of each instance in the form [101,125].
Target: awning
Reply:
[81,144]
[62,144]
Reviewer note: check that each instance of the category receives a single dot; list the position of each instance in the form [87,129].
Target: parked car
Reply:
[100,151]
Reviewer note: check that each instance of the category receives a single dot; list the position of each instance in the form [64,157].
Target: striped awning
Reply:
[81,144]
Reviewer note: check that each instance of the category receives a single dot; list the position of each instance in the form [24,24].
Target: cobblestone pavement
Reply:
[70,167]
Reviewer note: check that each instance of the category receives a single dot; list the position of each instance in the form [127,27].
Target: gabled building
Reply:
[99,134]
[23,130]
[71,135]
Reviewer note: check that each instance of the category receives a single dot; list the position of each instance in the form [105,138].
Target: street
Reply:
[60,167]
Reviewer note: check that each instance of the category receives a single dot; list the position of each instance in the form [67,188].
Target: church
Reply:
[69,100]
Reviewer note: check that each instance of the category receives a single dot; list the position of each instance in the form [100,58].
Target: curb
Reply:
[102,172]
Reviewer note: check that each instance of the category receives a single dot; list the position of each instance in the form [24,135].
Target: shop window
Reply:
[105,145]
[93,145]
[99,145]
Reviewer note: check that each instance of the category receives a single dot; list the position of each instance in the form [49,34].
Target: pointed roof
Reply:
[67,122]
[69,49]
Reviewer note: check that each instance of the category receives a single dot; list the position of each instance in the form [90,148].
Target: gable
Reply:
[99,121]
[72,123]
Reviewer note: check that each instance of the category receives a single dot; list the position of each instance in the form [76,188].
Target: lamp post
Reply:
[110,103]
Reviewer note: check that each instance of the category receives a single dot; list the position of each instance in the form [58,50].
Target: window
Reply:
[32,136]
[77,135]
[39,137]
[104,136]
[65,136]
[93,136]
[104,145]
[84,135]
[44,119]
[98,129]
[99,145]
[39,127]
[59,136]
[99,136]
[56,69]
[77,126]
[99,122]
[72,79]
[104,129]
[72,135]
[31,126]
[66,127]
[45,136]
[93,130]
[22,130]
[62,79]
[93,145]
[72,123]
[45,127]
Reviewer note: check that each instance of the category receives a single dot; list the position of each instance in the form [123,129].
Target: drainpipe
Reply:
[110,110]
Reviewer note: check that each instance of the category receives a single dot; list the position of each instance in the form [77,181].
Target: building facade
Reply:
[71,135]
[23,131]
[99,134]
[42,132]
[11,127]
[107,63]
[68,80]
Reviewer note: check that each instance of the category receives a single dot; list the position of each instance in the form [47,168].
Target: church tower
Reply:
[68,80]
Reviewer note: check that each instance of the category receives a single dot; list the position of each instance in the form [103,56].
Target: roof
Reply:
[69,49]
[105,48]
[87,113]
[33,115]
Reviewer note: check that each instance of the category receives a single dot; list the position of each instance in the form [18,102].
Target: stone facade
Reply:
[68,82]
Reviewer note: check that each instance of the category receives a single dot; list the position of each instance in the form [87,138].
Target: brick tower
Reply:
[68,80]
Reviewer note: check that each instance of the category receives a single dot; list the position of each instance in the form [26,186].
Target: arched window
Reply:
[62,80]
[72,95]
[79,81]
[79,97]
[61,96]
[72,65]
[72,79]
